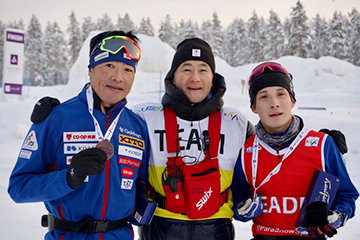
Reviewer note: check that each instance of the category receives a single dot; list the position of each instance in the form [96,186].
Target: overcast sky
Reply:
[196,10]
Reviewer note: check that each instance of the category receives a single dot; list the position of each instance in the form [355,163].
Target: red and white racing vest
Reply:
[282,179]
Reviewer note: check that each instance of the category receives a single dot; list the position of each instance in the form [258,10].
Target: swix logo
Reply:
[127,172]
[79,136]
[131,141]
[204,199]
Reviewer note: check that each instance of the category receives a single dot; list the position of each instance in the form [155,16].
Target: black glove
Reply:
[316,221]
[87,162]
[339,139]
[43,108]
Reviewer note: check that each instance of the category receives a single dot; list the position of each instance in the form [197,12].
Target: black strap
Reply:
[88,225]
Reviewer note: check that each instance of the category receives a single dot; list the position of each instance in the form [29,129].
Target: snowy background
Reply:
[326,83]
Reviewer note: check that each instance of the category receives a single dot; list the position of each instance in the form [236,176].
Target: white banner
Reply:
[13,61]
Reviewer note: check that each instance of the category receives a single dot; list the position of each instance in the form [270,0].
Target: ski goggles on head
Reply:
[114,44]
[268,66]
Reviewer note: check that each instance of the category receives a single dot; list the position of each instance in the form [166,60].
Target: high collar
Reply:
[177,100]
[97,101]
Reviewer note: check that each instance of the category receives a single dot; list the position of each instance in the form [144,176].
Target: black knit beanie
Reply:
[192,49]
[269,79]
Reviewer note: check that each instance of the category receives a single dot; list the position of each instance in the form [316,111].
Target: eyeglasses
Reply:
[268,66]
[114,44]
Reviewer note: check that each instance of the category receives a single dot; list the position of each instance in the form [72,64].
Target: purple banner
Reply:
[15,37]
[12,88]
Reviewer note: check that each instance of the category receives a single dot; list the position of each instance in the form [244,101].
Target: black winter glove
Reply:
[43,108]
[339,139]
[316,221]
[87,162]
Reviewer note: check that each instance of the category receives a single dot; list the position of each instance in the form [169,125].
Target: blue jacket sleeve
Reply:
[33,178]
[240,188]
[334,164]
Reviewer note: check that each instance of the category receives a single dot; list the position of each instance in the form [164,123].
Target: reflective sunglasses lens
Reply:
[114,45]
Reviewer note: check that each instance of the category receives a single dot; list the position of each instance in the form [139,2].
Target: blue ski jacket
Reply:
[40,172]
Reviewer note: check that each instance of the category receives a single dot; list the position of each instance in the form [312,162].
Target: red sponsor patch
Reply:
[129,162]
[127,172]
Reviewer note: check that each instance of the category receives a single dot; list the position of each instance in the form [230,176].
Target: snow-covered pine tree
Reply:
[354,46]
[105,23]
[235,43]
[337,31]
[275,38]
[320,36]
[128,24]
[86,27]
[33,52]
[254,38]
[188,29]
[216,37]
[167,32]
[2,30]
[205,31]
[299,41]
[146,27]
[54,44]
[75,41]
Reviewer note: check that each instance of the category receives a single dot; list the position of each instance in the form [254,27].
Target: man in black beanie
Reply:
[195,143]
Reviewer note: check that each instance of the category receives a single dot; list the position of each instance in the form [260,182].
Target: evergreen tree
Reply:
[128,24]
[205,31]
[55,66]
[275,38]
[33,51]
[354,49]
[337,30]
[75,41]
[146,28]
[299,41]
[320,37]
[167,33]
[86,27]
[254,38]
[235,43]
[216,37]
[2,32]
[187,29]
[16,25]
[105,23]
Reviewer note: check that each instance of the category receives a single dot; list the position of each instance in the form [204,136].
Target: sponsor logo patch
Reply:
[68,160]
[127,172]
[152,108]
[126,183]
[74,148]
[101,56]
[30,141]
[124,139]
[25,154]
[130,152]
[79,136]
[129,162]
[196,52]
[130,132]
[312,142]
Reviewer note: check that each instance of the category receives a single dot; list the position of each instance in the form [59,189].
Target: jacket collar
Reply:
[177,100]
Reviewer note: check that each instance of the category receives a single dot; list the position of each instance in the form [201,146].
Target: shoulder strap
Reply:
[172,139]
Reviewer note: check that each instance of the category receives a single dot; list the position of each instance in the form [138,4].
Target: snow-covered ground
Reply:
[326,83]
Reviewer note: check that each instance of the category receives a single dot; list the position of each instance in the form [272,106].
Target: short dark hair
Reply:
[106,34]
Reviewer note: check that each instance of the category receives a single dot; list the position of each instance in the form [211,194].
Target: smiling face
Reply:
[194,79]
[273,105]
[112,81]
